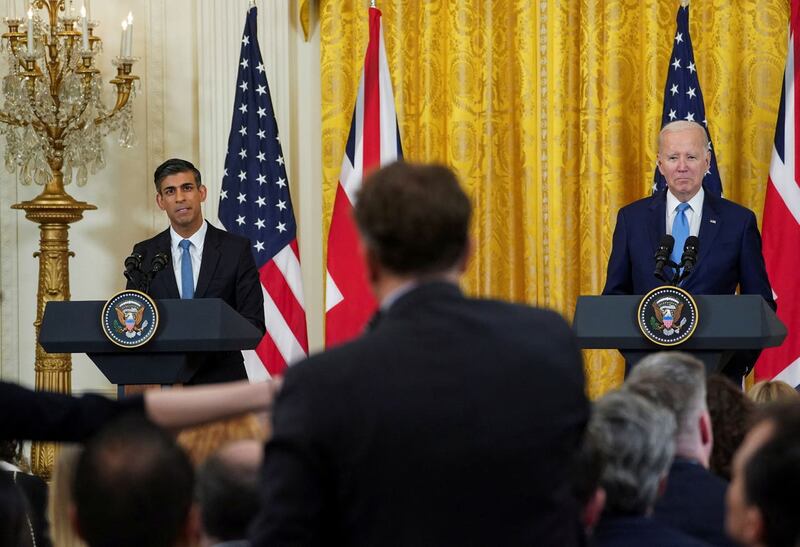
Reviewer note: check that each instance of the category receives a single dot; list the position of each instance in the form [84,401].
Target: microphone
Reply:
[159,263]
[689,257]
[133,263]
[662,255]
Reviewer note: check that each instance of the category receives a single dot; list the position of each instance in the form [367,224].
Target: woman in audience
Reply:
[730,412]
[768,391]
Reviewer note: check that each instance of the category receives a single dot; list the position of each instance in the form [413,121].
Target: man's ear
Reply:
[658,164]
[372,263]
[203,192]
[469,250]
[160,201]
[590,515]
[753,528]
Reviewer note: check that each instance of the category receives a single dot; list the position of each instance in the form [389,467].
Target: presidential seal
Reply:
[667,316]
[129,319]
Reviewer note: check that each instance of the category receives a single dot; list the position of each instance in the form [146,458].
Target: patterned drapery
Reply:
[549,111]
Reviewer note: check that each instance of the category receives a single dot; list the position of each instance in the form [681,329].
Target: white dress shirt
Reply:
[694,214]
[195,251]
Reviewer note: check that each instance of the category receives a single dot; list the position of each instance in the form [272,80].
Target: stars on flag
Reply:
[683,99]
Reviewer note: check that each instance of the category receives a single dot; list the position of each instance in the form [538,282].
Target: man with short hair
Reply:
[227,490]
[453,421]
[694,500]
[764,497]
[205,263]
[636,438]
[133,486]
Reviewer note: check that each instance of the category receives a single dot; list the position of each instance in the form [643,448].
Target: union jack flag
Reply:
[374,140]
[781,224]
[255,203]
[683,99]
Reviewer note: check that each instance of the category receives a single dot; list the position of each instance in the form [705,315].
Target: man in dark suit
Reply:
[453,421]
[694,499]
[219,265]
[636,439]
[730,244]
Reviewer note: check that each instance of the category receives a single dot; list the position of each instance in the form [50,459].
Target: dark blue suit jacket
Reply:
[729,250]
[694,502]
[452,422]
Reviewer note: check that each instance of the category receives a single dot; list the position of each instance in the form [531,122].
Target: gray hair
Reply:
[676,381]
[636,438]
[682,125]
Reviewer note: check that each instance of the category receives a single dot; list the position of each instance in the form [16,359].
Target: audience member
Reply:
[636,437]
[731,412]
[133,486]
[586,487]
[60,501]
[764,497]
[453,421]
[15,527]
[694,499]
[228,494]
[42,415]
[769,391]
[32,487]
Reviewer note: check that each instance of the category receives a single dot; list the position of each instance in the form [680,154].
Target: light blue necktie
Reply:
[680,231]
[187,276]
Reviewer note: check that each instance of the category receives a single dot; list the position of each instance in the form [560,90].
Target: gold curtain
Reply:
[549,111]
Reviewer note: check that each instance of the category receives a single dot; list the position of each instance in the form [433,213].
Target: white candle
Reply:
[88,5]
[129,43]
[84,29]
[122,39]
[30,30]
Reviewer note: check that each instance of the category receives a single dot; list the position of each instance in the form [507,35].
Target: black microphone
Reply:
[159,263]
[689,256]
[133,263]
[662,255]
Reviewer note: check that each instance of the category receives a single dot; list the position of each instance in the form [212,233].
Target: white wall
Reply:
[188,53]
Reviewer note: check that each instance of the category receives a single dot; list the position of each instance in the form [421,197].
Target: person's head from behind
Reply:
[414,222]
[770,391]
[731,412]
[636,438]
[763,499]
[227,490]
[677,381]
[133,486]
[179,193]
[14,530]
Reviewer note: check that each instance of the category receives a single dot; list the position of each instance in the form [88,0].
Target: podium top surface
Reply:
[201,324]
[724,322]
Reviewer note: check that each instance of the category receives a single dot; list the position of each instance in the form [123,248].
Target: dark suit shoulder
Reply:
[156,242]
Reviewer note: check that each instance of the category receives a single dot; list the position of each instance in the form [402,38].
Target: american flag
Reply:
[683,99]
[374,140]
[255,203]
[781,224]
